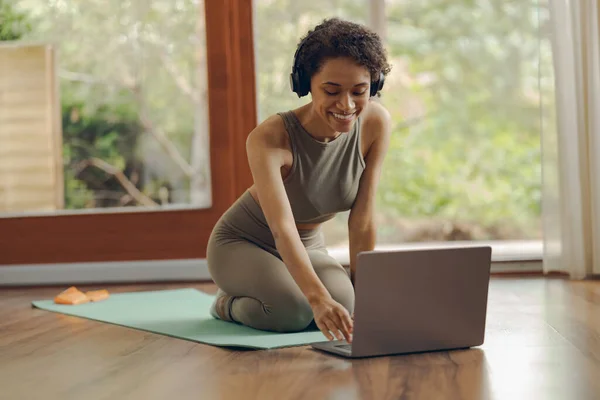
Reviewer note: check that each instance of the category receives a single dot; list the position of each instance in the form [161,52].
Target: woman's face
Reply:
[340,92]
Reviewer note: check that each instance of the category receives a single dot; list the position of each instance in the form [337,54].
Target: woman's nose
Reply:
[345,102]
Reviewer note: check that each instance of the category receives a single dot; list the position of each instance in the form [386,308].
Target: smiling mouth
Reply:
[343,117]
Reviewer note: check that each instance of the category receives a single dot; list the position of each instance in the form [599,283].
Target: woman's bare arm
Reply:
[361,224]
[266,157]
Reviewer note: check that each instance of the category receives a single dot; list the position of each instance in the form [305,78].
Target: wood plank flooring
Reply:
[542,342]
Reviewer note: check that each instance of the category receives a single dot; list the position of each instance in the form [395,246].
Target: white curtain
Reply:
[571,151]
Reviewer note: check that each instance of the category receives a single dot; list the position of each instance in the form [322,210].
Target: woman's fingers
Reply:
[336,322]
[334,328]
[323,328]
[343,323]
[347,325]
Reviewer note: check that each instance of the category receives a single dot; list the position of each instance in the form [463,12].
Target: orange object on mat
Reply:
[71,296]
[97,295]
[74,296]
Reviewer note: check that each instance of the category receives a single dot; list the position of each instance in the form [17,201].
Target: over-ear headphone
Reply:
[301,84]
[298,83]
[377,85]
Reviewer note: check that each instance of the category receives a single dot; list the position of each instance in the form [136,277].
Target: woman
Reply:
[266,253]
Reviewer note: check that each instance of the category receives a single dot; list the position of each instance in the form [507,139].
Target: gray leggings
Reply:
[244,263]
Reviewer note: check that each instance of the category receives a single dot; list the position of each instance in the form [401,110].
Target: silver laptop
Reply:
[410,301]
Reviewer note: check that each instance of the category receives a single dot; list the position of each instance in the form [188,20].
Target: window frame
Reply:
[139,235]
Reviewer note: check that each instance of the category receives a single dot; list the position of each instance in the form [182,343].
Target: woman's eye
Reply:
[336,93]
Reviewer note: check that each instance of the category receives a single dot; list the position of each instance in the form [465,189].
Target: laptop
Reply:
[411,301]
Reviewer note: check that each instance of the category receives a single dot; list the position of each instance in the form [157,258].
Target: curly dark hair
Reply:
[334,38]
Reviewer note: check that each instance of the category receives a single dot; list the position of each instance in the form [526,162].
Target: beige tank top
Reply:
[324,177]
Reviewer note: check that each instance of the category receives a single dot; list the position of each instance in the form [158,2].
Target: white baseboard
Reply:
[528,266]
[105,272]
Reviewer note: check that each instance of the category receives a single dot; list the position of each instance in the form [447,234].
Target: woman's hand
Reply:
[331,316]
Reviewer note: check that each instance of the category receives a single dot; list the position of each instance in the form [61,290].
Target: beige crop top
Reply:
[324,177]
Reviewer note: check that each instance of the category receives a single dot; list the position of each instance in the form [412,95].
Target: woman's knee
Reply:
[343,293]
[215,252]
[291,313]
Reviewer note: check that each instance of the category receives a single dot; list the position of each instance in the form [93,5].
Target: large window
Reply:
[156,99]
[131,105]
[469,93]
[141,88]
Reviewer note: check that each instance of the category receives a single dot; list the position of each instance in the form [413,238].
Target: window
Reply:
[469,92]
[180,226]
[131,106]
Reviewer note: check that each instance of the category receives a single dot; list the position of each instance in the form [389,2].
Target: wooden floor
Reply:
[542,342]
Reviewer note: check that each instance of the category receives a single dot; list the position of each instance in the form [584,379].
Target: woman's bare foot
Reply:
[221,307]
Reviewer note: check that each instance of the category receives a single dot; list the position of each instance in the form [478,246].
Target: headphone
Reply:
[301,85]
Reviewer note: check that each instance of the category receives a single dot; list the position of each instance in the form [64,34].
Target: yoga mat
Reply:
[180,313]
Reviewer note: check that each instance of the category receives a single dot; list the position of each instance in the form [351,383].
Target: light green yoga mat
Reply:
[180,313]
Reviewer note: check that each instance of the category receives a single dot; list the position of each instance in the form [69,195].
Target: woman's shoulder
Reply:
[376,117]
[270,133]
[376,126]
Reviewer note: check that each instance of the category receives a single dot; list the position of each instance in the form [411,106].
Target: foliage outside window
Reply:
[133,96]
[470,86]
